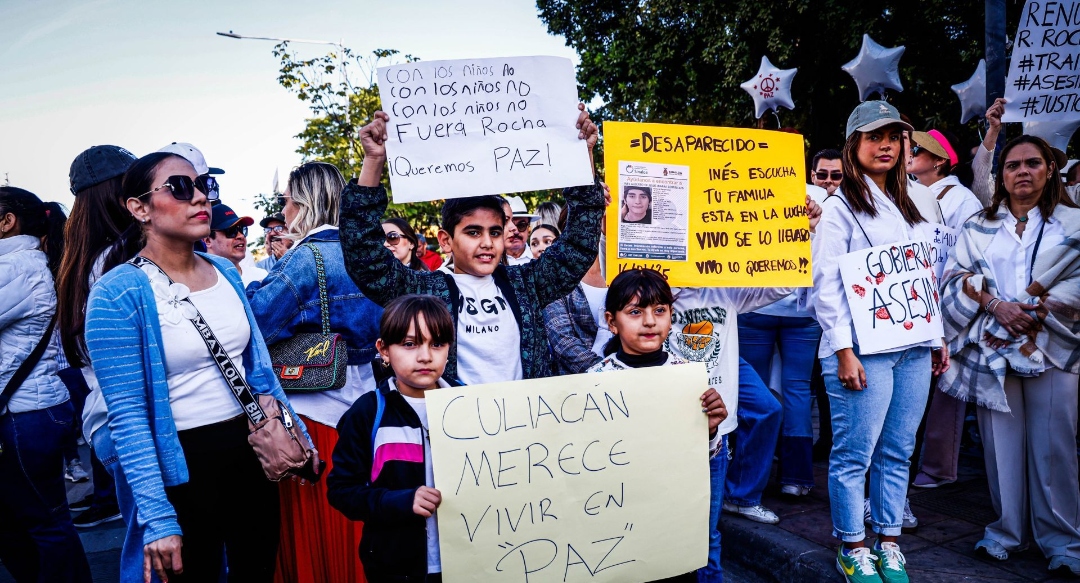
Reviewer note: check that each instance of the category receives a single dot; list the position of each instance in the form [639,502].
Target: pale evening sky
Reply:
[142,74]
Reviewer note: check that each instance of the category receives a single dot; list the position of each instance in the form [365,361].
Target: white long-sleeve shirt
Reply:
[958,204]
[838,234]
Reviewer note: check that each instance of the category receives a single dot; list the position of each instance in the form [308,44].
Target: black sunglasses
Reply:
[281,200]
[825,175]
[915,150]
[231,232]
[274,229]
[183,188]
[393,237]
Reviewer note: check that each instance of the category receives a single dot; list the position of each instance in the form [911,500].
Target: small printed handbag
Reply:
[311,362]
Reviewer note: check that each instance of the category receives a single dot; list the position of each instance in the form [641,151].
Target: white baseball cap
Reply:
[193,155]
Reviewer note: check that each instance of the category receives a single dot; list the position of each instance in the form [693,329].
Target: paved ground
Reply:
[951,519]
[798,550]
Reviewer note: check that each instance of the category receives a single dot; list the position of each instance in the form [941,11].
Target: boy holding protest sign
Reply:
[382,471]
[497,309]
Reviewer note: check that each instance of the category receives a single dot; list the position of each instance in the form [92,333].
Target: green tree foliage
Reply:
[339,88]
[682,62]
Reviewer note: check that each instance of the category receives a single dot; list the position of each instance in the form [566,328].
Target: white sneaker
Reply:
[74,472]
[757,513]
[993,549]
[1065,562]
[909,519]
[793,490]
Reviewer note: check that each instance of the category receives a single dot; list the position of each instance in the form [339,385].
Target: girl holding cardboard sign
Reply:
[877,399]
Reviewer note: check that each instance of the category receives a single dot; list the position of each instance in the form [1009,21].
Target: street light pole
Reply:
[340,45]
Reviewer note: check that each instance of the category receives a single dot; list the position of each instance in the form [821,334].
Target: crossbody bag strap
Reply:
[27,365]
[324,299]
[841,199]
[1035,252]
[236,381]
[380,408]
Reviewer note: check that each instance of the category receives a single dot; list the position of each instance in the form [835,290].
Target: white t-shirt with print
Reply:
[705,329]
[488,337]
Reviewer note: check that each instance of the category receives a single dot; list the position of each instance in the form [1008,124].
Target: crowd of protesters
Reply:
[127,323]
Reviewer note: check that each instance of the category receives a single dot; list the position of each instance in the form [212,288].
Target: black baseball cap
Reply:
[98,164]
[274,217]
[222,217]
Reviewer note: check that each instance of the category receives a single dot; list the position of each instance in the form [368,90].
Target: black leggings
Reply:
[227,510]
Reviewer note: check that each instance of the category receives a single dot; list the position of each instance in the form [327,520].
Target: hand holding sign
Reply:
[373,142]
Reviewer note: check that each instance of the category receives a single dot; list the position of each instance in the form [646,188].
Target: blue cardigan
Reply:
[124,338]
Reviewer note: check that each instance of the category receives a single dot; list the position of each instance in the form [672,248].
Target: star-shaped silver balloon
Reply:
[875,68]
[770,88]
[972,94]
[1056,133]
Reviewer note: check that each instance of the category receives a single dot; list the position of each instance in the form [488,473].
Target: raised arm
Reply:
[557,272]
[369,263]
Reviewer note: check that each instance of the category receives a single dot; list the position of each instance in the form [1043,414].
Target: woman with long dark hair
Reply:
[95,243]
[401,240]
[1010,293]
[877,399]
[38,543]
[176,432]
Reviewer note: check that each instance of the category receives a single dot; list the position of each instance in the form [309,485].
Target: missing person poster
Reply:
[654,211]
[892,292]
[707,206]
[600,477]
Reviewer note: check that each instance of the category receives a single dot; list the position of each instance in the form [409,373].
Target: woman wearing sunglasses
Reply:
[317,542]
[176,435]
[402,242]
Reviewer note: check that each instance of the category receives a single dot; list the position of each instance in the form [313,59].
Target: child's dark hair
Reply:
[456,209]
[402,316]
[643,287]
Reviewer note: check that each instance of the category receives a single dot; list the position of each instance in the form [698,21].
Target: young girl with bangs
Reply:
[638,312]
[382,471]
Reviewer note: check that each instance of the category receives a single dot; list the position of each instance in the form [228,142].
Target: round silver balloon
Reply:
[972,94]
[1056,133]
[770,88]
[875,68]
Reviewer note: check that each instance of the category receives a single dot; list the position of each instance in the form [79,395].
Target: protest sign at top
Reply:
[892,292]
[707,206]
[482,126]
[1044,74]
[584,478]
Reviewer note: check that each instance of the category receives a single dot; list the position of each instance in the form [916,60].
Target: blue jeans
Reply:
[759,415]
[718,467]
[797,338]
[37,540]
[874,429]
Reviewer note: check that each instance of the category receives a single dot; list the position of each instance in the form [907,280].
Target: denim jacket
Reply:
[286,302]
[529,288]
[27,303]
[123,335]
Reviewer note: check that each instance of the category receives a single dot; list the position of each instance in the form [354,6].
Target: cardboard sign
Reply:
[583,478]
[707,206]
[1044,75]
[942,239]
[892,292]
[482,126]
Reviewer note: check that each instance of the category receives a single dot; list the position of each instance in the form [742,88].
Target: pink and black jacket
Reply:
[377,483]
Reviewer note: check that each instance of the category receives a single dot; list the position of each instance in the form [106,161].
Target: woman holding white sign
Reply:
[1009,300]
[877,399]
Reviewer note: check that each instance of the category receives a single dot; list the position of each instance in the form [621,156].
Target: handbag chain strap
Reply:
[324,300]
[236,381]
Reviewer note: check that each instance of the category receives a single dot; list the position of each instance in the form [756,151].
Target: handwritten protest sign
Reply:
[482,126]
[1044,74]
[593,477]
[893,295]
[707,206]
[942,239]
